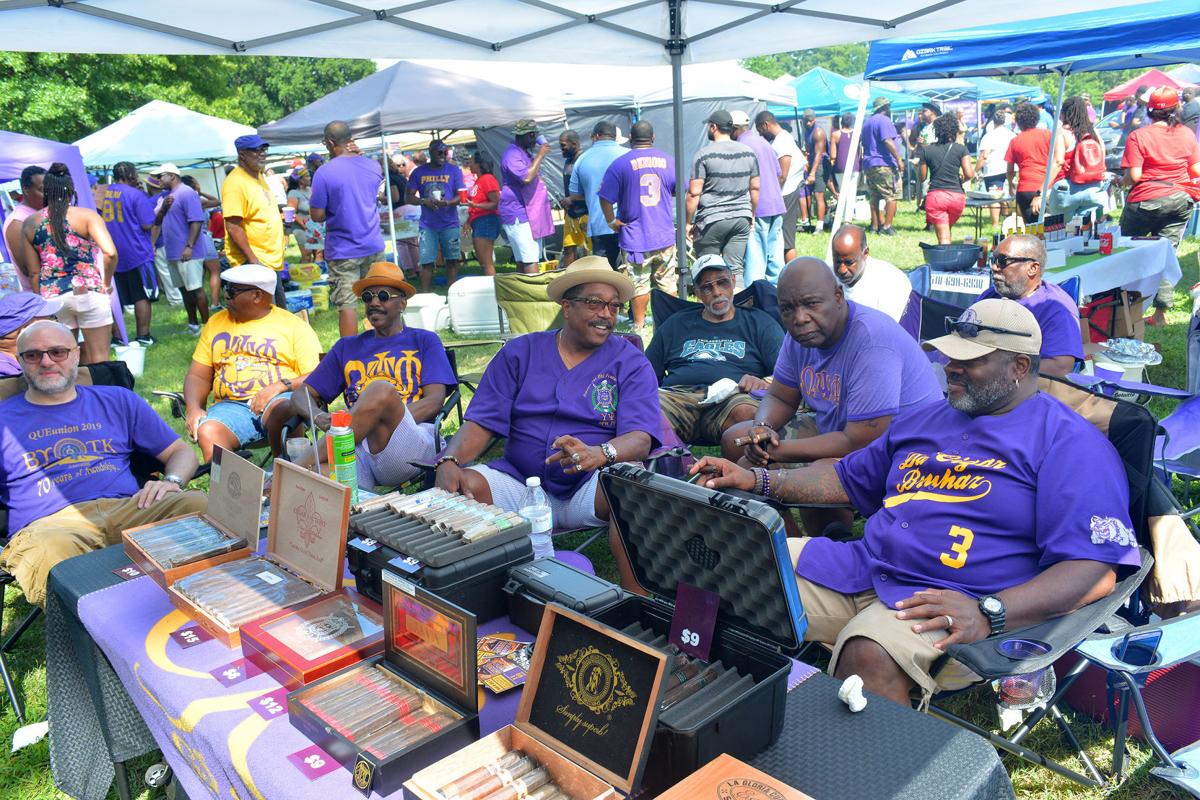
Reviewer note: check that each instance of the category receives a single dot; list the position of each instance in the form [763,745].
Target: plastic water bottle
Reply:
[535,507]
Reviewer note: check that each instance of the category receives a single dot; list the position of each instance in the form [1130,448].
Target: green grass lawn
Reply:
[26,775]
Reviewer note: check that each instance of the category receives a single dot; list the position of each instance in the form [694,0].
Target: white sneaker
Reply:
[193,329]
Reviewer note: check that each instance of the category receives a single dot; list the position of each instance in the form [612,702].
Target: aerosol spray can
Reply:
[341,453]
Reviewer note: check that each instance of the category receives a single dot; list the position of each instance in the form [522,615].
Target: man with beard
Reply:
[524,201]
[435,188]
[393,379]
[64,457]
[854,367]
[1017,275]
[980,519]
[695,348]
[575,218]
[568,402]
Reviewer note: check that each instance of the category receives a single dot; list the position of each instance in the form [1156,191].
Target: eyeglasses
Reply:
[723,284]
[595,304]
[969,328]
[57,354]
[383,294]
[232,290]
[1002,261]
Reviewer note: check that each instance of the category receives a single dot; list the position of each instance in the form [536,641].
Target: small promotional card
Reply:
[503,663]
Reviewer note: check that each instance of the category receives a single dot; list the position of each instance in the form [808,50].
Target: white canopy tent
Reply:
[161,131]
[581,31]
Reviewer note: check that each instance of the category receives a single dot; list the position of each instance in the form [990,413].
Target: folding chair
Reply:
[1130,428]
[179,411]
[761,295]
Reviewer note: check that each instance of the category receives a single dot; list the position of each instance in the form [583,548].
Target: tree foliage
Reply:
[65,96]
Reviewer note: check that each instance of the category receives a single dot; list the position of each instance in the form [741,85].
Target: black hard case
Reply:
[675,531]
[476,583]
[388,775]
[548,580]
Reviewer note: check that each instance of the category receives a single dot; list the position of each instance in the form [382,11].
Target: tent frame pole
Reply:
[675,47]
[387,190]
[1062,87]
[849,181]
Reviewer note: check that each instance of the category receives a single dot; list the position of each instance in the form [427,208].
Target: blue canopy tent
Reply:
[979,88]
[829,94]
[1131,37]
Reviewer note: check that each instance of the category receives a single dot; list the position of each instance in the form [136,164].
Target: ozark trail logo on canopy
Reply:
[925,52]
[909,55]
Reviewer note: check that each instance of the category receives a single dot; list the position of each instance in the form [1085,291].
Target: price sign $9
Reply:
[694,619]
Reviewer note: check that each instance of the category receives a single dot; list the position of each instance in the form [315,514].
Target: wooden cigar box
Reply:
[306,540]
[726,778]
[235,498]
[587,712]
[429,645]
[300,644]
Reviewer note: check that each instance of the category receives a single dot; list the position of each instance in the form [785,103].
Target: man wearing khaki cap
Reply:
[393,378]
[524,201]
[980,518]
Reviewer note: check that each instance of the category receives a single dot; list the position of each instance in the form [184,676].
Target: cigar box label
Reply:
[405,586]
[128,573]
[363,775]
[191,636]
[268,577]
[747,789]
[406,564]
[313,762]
[596,682]
[364,544]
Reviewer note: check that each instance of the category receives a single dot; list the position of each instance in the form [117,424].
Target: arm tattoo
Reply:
[818,483]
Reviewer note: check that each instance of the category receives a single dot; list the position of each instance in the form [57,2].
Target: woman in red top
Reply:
[1159,159]
[483,217]
[1028,155]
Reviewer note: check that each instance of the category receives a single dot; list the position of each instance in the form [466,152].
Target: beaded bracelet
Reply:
[766,488]
[759,475]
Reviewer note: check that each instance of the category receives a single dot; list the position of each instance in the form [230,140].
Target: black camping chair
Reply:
[761,295]
[1131,429]
[107,373]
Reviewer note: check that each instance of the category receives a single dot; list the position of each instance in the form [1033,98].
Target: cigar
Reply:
[475,777]
[521,787]
[689,688]
[682,670]
[754,438]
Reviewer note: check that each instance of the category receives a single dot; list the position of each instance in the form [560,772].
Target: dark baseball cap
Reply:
[250,141]
[721,118]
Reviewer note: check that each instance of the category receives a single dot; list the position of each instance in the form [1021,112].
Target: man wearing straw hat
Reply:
[568,402]
[393,378]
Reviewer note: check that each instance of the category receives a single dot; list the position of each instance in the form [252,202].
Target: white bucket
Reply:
[134,356]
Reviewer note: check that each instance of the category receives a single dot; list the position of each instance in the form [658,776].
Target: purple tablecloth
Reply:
[208,733]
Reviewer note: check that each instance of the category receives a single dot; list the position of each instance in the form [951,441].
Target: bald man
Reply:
[865,280]
[344,192]
[854,367]
[1017,274]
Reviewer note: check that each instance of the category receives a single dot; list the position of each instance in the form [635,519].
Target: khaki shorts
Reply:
[697,424]
[80,529]
[343,272]
[881,184]
[657,265]
[575,232]
[88,310]
[835,618]
[187,275]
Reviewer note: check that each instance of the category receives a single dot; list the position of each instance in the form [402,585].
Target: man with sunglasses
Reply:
[1017,275]
[64,462]
[253,224]
[866,280]
[994,509]
[567,402]
[249,357]
[695,348]
[393,378]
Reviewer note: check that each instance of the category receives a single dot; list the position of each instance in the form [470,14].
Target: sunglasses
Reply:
[57,354]
[233,289]
[383,294]
[1002,261]
[712,286]
[595,304]
[969,328]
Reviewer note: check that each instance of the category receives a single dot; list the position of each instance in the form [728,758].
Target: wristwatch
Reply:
[994,610]
[610,453]
[175,479]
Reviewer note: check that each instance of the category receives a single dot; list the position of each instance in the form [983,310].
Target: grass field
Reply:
[26,775]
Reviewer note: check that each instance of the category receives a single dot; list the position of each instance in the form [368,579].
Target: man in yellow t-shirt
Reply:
[249,357]
[253,224]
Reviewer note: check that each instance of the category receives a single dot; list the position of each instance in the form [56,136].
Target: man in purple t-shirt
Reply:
[881,165]
[129,215]
[393,378]
[568,402]
[854,367]
[181,226]
[524,201]
[64,462]
[344,192]
[764,251]
[980,519]
[1017,275]
[641,184]
[435,188]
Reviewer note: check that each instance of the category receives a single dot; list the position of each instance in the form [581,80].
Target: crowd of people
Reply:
[979,518]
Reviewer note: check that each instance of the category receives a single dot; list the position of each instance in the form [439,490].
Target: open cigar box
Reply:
[173,548]
[306,546]
[680,533]
[726,778]
[301,644]
[392,715]
[586,719]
